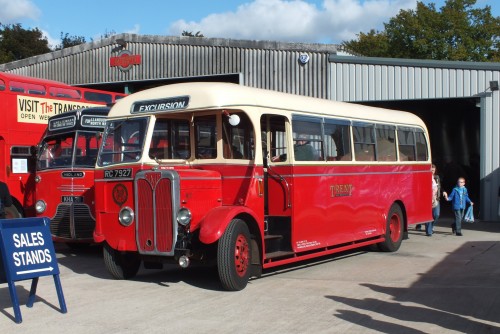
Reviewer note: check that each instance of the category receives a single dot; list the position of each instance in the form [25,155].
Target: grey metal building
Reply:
[459,101]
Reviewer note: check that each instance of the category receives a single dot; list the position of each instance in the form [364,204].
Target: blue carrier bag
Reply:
[469,215]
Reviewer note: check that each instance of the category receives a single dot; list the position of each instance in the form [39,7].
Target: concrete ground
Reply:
[438,284]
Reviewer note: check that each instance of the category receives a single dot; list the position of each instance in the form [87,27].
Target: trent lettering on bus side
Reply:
[338,190]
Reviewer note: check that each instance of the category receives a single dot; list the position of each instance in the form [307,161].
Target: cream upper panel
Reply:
[207,95]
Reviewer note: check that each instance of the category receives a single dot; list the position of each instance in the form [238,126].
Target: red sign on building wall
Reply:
[125,60]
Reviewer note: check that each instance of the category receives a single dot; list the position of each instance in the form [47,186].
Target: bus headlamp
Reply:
[126,216]
[40,206]
[38,178]
[184,216]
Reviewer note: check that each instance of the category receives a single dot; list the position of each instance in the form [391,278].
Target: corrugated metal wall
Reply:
[358,79]
[269,65]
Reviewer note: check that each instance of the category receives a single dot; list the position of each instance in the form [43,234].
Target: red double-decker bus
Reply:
[64,178]
[26,105]
[254,179]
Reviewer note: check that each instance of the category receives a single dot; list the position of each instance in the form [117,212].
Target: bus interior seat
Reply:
[346,157]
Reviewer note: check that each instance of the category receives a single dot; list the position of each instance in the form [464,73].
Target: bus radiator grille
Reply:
[81,226]
[60,224]
[84,223]
[154,214]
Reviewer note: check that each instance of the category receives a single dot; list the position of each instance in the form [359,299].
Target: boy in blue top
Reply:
[459,199]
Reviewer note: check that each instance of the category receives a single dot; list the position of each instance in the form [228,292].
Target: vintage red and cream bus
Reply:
[64,178]
[216,171]
[26,105]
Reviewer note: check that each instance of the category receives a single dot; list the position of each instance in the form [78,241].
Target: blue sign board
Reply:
[28,253]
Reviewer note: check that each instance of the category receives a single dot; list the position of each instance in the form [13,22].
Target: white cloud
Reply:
[346,18]
[296,20]
[53,42]
[135,30]
[12,11]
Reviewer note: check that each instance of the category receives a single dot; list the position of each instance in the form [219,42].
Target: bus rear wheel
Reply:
[393,230]
[234,256]
[121,265]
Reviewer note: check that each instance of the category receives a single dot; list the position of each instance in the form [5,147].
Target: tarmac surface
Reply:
[438,284]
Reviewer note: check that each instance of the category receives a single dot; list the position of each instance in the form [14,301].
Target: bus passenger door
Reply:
[277,186]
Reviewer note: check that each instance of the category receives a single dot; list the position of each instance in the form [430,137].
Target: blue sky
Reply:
[307,21]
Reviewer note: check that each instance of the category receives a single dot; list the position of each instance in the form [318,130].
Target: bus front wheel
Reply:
[394,230]
[121,265]
[234,256]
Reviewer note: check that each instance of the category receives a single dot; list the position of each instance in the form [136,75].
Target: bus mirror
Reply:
[234,120]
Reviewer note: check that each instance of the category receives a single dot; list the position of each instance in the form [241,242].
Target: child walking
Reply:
[459,198]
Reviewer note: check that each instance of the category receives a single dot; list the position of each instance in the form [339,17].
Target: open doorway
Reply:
[454,131]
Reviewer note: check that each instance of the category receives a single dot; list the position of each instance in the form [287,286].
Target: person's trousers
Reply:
[457,225]
[429,227]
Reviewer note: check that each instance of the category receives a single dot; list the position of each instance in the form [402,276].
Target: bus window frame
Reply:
[244,129]
[303,128]
[370,154]
[378,140]
[345,124]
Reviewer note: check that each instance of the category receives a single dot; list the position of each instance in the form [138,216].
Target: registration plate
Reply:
[117,173]
[72,199]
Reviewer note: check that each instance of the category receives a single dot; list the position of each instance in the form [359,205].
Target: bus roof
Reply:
[214,95]
[16,77]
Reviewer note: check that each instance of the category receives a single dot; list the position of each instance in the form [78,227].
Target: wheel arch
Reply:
[213,225]
[403,210]
[256,237]
[395,229]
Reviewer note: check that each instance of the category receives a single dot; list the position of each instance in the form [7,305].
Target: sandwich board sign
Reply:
[27,252]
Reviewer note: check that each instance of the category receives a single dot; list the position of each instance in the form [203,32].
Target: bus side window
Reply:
[17,89]
[406,143]
[274,141]
[159,142]
[386,143]
[421,146]
[364,142]
[158,148]
[237,140]
[307,138]
[337,140]
[36,92]
[98,96]
[206,137]
[69,93]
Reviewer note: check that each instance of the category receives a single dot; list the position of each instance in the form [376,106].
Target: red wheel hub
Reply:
[395,227]
[241,255]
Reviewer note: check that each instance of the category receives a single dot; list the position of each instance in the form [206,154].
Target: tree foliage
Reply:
[459,31]
[69,41]
[18,43]
[108,33]
[190,34]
